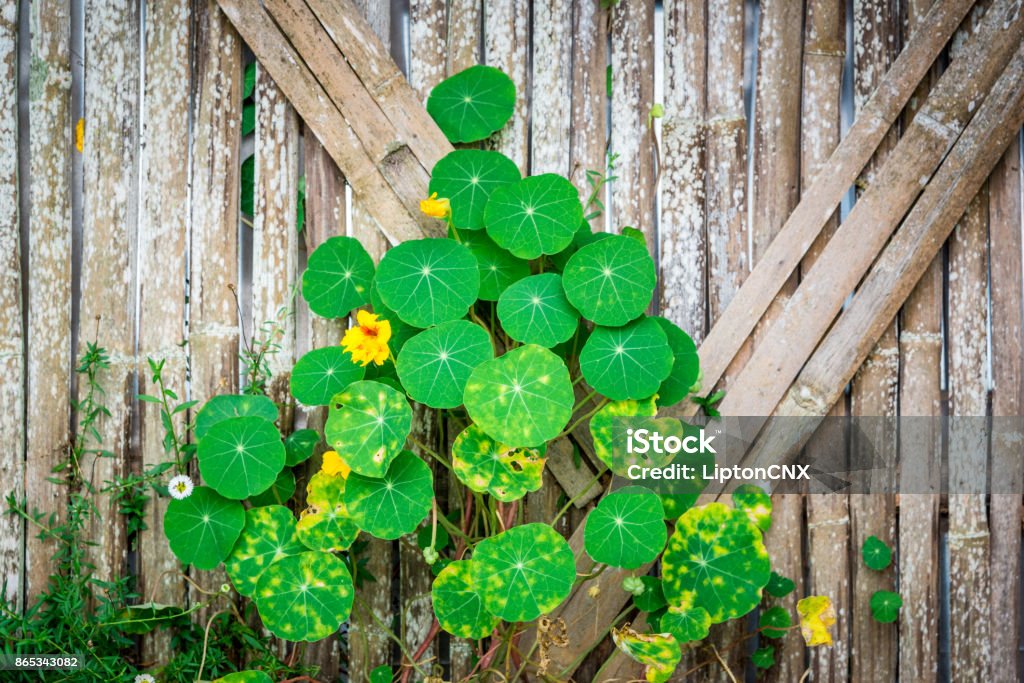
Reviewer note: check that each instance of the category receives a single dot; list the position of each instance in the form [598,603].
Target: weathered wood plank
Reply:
[12,339]
[589,130]
[49,276]
[163,239]
[109,249]
[551,81]
[506,45]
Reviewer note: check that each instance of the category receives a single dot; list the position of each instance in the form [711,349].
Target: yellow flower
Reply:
[438,208]
[816,615]
[368,341]
[334,465]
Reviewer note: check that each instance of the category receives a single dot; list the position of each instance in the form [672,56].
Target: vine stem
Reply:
[206,642]
[586,416]
[728,671]
[431,634]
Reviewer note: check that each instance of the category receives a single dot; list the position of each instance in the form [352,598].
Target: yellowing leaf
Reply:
[816,616]
[658,652]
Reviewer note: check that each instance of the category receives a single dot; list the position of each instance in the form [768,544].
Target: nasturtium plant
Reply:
[395,504]
[467,178]
[653,597]
[279,493]
[488,466]
[241,456]
[627,362]
[523,572]
[337,277]
[876,553]
[305,596]
[457,603]
[608,426]
[774,621]
[537,215]
[473,103]
[427,282]
[269,535]
[885,606]
[763,657]
[685,620]
[226,406]
[535,311]
[325,524]
[299,446]
[245,677]
[368,422]
[779,586]
[756,503]
[435,365]
[611,281]
[202,529]
[322,373]
[626,529]
[658,652]
[498,267]
[685,366]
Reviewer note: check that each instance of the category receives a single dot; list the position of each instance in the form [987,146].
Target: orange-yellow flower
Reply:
[438,208]
[334,465]
[368,341]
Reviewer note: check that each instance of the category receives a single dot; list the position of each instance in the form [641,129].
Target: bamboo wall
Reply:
[136,240]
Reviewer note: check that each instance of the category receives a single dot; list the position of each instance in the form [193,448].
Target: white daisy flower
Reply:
[147,678]
[180,487]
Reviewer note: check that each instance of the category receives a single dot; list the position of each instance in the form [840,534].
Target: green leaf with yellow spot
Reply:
[395,504]
[628,362]
[325,524]
[299,446]
[522,398]
[368,423]
[686,621]
[611,280]
[756,503]
[626,529]
[608,426]
[268,536]
[718,553]
[305,597]
[241,456]
[337,278]
[487,466]
[457,604]
[524,572]
[435,365]
[658,652]
[202,528]
[322,373]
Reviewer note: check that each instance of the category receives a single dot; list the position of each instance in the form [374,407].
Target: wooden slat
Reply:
[49,278]
[506,45]
[12,342]
[109,246]
[1007,398]
[163,238]
[464,24]
[551,80]
[589,134]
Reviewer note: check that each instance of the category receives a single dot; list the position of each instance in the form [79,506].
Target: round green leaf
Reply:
[299,446]
[653,597]
[686,621]
[487,466]
[885,606]
[280,491]
[626,529]
[608,426]
[498,267]
[369,423]
[538,215]
[269,535]
[774,621]
[876,553]
[779,586]
[202,528]
[305,596]
[435,365]
[763,657]
[395,504]
[717,553]
[467,177]
[458,606]
[473,103]
[241,456]
[524,572]
[428,282]
[610,281]
[325,524]
[685,368]
[226,406]
[535,311]
[322,373]
[627,362]
[245,677]
[756,503]
[523,398]
[337,278]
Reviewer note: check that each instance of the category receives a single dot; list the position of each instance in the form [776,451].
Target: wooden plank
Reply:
[109,245]
[464,23]
[551,81]
[49,277]
[850,252]
[632,50]
[819,202]
[506,45]
[589,134]
[1007,398]
[681,229]
[163,239]
[12,341]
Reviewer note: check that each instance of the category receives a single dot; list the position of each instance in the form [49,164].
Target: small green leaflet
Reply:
[299,446]
[779,586]
[686,621]
[535,311]
[427,282]
[610,281]
[435,365]
[717,553]
[774,622]
[473,103]
[876,553]
[764,657]
[524,572]
[202,528]
[382,674]
[498,267]
[658,652]
[394,505]
[325,525]
[268,536]
[369,423]
[685,368]
[246,199]
[537,215]
[305,596]
[885,606]
[756,503]
[458,606]
[467,177]
[280,491]
[487,466]
[653,597]
[523,398]
[627,362]
[322,373]
[337,278]
[227,406]
[626,529]
[241,456]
